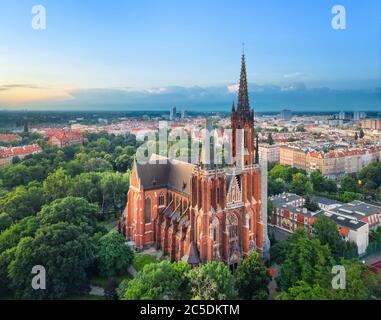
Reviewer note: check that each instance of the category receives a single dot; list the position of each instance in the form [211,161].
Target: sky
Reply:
[134,53]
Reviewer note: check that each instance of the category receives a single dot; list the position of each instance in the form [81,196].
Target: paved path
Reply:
[279,234]
[372,259]
[272,285]
[132,270]
[96,291]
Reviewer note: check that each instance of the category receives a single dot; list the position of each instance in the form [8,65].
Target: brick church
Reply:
[197,212]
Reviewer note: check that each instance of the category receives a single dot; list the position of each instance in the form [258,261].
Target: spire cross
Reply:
[243,47]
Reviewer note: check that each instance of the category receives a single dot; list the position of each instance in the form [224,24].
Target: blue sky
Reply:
[144,44]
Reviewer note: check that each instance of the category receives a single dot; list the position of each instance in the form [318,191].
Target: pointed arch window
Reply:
[214,230]
[161,199]
[232,226]
[148,210]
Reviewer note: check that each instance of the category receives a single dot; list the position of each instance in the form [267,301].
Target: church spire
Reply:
[243,95]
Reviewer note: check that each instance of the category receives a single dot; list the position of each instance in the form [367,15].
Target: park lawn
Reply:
[109,224]
[102,281]
[141,259]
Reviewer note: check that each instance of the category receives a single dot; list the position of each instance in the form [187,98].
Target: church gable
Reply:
[234,194]
[134,179]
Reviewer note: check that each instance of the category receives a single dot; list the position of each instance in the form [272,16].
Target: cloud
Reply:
[233,88]
[156,90]
[293,75]
[298,86]
[263,97]
[24,94]
[15,86]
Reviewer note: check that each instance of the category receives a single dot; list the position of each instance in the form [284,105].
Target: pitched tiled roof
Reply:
[64,135]
[9,136]
[19,151]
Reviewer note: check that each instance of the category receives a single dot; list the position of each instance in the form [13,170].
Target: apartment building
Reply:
[269,152]
[372,124]
[333,164]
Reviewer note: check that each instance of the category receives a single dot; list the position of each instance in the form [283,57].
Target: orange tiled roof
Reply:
[9,136]
[19,151]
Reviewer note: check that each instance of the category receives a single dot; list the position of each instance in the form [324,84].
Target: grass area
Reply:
[102,281]
[140,260]
[109,224]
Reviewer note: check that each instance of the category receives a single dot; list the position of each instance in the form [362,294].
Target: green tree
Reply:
[212,281]
[310,204]
[73,168]
[159,281]
[57,184]
[73,210]
[97,165]
[103,144]
[16,159]
[10,237]
[318,181]
[350,196]
[276,186]
[326,231]
[280,250]
[379,194]
[23,201]
[15,175]
[252,278]
[307,261]
[300,184]
[270,139]
[349,183]
[301,290]
[87,185]
[360,282]
[5,221]
[6,258]
[114,256]
[64,251]
[370,178]
[114,187]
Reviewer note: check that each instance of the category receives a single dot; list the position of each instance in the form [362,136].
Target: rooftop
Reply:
[343,221]
[358,209]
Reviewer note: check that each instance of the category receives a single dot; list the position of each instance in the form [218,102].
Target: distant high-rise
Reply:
[357,116]
[182,114]
[342,115]
[172,114]
[286,114]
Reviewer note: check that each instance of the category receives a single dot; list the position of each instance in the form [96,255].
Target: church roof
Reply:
[174,174]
